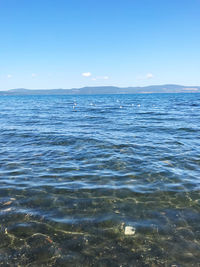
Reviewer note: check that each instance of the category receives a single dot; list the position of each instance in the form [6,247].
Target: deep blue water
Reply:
[111,180]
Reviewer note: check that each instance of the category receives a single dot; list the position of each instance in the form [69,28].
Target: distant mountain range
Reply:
[168,88]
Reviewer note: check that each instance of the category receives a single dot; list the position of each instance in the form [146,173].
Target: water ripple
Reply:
[100,180]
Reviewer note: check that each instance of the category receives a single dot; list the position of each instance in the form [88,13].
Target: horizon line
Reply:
[74,88]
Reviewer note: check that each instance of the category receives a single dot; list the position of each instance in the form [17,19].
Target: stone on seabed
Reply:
[129,230]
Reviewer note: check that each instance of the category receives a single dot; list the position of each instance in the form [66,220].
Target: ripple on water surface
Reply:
[100,180]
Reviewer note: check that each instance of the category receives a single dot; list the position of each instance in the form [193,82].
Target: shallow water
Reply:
[100,180]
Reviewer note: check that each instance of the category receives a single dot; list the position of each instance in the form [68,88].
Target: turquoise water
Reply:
[100,180]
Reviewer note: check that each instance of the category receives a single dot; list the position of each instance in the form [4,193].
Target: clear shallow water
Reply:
[100,180]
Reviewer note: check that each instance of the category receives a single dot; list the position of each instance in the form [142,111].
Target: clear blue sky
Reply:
[75,43]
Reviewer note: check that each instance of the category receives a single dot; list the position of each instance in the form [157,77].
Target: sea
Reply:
[100,180]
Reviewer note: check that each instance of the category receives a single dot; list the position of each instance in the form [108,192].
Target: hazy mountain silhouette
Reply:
[168,88]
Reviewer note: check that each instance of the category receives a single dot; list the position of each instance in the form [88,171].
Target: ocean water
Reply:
[110,180]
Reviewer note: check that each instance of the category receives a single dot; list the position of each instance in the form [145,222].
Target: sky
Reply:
[48,44]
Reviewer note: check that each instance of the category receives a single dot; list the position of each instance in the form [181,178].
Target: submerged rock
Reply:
[129,230]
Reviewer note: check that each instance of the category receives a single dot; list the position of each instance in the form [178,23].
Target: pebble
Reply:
[7,203]
[129,230]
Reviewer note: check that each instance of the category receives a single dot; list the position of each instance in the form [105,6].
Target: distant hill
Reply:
[168,88]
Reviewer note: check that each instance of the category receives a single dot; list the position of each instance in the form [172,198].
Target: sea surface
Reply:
[105,180]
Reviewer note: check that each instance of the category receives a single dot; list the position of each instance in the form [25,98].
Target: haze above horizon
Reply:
[72,44]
